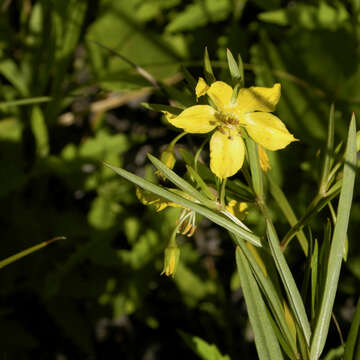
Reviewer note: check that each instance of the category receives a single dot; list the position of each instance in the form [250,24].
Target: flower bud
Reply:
[264,159]
[168,157]
[171,259]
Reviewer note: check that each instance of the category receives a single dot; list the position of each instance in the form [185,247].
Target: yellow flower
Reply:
[250,110]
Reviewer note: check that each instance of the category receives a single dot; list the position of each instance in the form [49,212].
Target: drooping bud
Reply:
[171,259]
[168,157]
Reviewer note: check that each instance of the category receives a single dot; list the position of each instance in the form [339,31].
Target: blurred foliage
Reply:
[98,294]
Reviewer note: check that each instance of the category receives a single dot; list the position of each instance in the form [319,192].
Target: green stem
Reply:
[198,152]
[222,193]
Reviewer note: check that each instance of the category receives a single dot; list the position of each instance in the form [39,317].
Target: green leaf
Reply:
[208,71]
[328,156]
[28,251]
[272,297]
[235,73]
[267,345]
[204,188]
[160,107]
[353,338]
[27,101]
[287,211]
[202,348]
[40,132]
[181,183]
[314,277]
[337,245]
[292,292]
[198,14]
[213,216]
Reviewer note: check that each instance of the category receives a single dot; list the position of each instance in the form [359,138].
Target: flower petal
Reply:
[201,87]
[268,130]
[258,98]
[220,93]
[198,119]
[227,153]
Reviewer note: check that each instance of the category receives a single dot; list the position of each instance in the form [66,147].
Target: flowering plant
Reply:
[241,129]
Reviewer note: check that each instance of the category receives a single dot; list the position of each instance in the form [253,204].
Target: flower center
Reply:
[228,120]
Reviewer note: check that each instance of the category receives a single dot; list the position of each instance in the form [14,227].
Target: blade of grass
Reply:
[28,251]
[213,216]
[267,345]
[337,245]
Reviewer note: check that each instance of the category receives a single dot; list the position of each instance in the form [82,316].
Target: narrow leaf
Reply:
[270,293]
[267,345]
[27,101]
[28,251]
[292,292]
[40,132]
[208,71]
[201,183]
[328,153]
[159,107]
[181,183]
[287,211]
[212,215]
[354,335]
[337,245]
[233,67]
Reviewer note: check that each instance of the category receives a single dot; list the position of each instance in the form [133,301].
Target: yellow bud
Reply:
[168,158]
[264,159]
[171,259]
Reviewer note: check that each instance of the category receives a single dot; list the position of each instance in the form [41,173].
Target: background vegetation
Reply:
[67,103]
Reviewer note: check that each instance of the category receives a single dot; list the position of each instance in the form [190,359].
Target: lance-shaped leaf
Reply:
[271,295]
[292,292]
[337,245]
[354,336]
[181,183]
[210,214]
[28,251]
[267,345]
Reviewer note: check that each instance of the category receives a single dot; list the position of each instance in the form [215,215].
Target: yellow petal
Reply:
[201,87]
[227,152]
[268,130]
[258,98]
[220,93]
[198,119]
[264,159]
